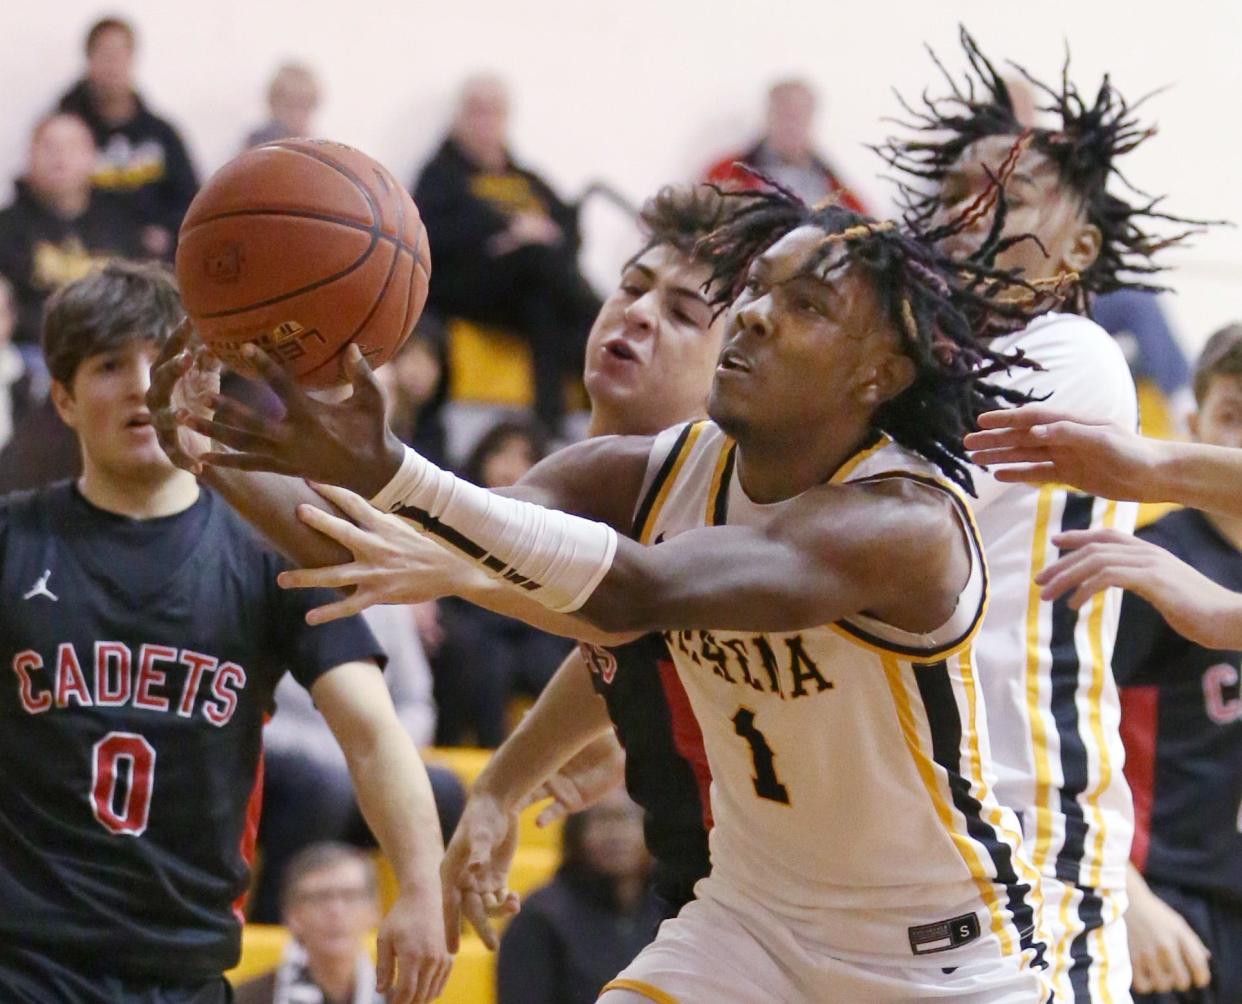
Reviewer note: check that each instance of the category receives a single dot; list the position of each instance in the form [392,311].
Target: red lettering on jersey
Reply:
[198,664]
[1220,708]
[33,704]
[70,682]
[230,672]
[112,666]
[149,676]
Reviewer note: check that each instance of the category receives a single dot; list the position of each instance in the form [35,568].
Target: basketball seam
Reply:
[392,269]
[302,214]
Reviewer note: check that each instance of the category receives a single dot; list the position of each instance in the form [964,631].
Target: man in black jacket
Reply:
[505,245]
[141,156]
[57,227]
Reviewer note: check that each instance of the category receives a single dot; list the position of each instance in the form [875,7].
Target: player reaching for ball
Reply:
[144,635]
[860,332]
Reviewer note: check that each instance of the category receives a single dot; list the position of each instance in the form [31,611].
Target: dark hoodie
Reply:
[40,249]
[143,160]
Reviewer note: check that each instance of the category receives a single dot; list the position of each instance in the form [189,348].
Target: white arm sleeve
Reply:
[560,559]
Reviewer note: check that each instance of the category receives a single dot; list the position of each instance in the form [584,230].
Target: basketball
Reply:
[302,247]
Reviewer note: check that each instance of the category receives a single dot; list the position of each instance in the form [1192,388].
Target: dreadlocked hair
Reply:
[680,216]
[943,309]
[1084,148]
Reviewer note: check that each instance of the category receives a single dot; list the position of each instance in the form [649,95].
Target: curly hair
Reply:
[944,309]
[679,216]
[1089,139]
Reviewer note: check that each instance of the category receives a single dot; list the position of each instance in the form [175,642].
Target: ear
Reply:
[1084,249]
[886,379]
[66,406]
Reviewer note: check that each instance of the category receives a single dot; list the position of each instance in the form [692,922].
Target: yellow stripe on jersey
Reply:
[663,488]
[996,818]
[709,518]
[848,466]
[1039,733]
[1099,671]
[641,988]
[965,845]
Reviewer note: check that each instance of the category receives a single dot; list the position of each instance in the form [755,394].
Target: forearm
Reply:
[1203,477]
[394,794]
[500,598]
[565,718]
[268,502]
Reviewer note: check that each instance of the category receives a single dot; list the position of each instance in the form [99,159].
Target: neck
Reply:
[165,496]
[114,106]
[629,891]
[334,975]
[1229,527]
[787,465]
[606,421]
[69,205]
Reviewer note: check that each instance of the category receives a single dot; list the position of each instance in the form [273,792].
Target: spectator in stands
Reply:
[506,246]
[292,97]
[416,381]
[15,382]
[786,152]
[307,793]
[330,903]
[486,659]
[141,156]
[58,228]
[573,935]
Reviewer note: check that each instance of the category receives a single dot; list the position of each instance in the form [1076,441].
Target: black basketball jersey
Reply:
[666,770]
[141,657]
[1182,726]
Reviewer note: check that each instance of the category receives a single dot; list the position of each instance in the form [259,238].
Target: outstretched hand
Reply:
[346,443]
[393,562]
[475,869]
[594,771]
[1193,605]
[1038,445]
[185,381]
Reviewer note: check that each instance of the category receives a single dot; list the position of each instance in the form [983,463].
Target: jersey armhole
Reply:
[668,452]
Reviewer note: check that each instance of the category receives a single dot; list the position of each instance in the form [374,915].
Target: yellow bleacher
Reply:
[489,365]
[473,979]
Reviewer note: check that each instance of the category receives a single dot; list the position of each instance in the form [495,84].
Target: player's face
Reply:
[331,909]
[106,406]
[1037,203]
[1218,421]
[801,353]
[653,347]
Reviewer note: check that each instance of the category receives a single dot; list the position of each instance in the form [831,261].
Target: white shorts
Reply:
[1088,955]
[711,954]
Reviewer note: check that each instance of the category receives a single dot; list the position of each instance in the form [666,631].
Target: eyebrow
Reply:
[1026,179]
[692,294]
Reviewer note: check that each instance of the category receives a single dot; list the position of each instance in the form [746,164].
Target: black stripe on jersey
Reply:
[1066,671]
[720,507]
[945,724]
[1091,913]
[911,651]
[455,538]
[644,510]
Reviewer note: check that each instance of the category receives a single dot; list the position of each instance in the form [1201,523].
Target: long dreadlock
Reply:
[944,309]
[1084,148]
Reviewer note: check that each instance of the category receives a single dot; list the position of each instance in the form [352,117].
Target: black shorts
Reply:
[27,977]
[1218,923]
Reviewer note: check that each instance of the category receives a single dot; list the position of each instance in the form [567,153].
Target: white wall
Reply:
[640,92]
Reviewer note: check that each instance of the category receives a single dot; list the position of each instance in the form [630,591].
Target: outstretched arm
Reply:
[1039,445]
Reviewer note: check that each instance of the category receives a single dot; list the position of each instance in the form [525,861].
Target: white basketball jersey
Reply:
[849,762]
[1046,670]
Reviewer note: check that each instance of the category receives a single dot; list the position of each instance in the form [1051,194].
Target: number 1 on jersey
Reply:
[767,785]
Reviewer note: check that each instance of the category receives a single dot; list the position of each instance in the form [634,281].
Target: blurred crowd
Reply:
[107,176]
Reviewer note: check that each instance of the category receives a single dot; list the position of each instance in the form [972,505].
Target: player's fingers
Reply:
[242,461]
[276,376]
[385,962]
[404,982]
[1197,959]
[328,577]
[452,915]
[1104,579]
[164,376]
[443,970]
[348,607]
[999,456]
[551,813]
[350,503]
[231,436]
[340,530]
[1029,474]
[476,914]
[1140,979]
[538,795]
[1073,539]
[360,375]
[233,413]
[1020,418]
[1177,973]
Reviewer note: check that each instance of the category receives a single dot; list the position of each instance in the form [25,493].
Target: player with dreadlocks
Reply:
[810,556]
[1051,700]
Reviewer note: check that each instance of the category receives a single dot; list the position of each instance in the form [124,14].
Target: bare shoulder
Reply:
[599,478]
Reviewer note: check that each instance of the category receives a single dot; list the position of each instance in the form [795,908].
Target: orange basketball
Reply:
[303,246]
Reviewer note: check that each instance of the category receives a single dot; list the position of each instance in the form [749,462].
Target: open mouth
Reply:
[621,350]
[732,360]
[139,422]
